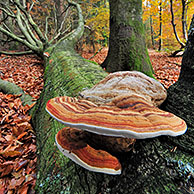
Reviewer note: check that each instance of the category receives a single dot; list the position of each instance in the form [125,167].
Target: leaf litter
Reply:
[17,137]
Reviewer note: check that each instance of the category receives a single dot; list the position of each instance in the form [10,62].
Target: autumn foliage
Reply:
[17,137]
[151,18]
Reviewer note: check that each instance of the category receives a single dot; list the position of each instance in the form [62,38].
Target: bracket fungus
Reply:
[85,155]
[138,119]
[123,105]
[126,83]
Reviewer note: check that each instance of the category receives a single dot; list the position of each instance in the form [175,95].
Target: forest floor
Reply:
[17,137]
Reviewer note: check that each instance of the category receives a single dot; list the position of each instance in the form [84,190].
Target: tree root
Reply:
[11,88]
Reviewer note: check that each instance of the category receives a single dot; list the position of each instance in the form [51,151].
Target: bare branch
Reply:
[7,12]
[31,21]
[174,26]
[16,53]
[7,28]
[24,3]
[55,20]
[58,30]
[76,34]
[46,28]
[31,7]
[6,32]
[60,33]
[62,23]
[39,43]
[23,28]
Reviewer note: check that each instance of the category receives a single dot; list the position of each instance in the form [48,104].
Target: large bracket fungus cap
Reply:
[86,156]
[126,83]
[137,119]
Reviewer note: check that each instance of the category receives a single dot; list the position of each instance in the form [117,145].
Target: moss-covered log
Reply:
[66,73]
[11,88]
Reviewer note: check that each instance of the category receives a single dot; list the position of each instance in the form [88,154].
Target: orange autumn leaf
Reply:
[10,154]
[14,183]
[23,189]
[21,135]
[21,164]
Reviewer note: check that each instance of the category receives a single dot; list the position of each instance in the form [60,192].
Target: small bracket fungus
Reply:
[122,107]
[86,156]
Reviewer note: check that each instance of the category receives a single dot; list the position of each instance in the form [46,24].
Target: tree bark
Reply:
[181,94]
[66,73]
[127,50]
[152,32]
[184,15]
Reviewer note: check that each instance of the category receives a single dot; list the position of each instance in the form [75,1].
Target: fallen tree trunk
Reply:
[11,88]
[66,73]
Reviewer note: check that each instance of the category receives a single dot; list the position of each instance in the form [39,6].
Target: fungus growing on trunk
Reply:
[85,155]
[126,83]
[135,118]
[119,109]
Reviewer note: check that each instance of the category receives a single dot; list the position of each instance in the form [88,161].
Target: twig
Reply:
[96,53]
[17,53]
[173,63]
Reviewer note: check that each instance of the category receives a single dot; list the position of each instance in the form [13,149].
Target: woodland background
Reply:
[158,16]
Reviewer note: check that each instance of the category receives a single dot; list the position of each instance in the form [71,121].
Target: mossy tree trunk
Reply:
[159,165]
[66,73]
[127,49]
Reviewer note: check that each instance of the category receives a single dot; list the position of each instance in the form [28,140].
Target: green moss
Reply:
[66,73]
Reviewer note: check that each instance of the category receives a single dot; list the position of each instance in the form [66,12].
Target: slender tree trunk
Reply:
[152,31]
[174,25]
[184,14]
[58,12]
[160,27]
[127,50]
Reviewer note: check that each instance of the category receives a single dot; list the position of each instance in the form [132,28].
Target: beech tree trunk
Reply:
[127,49]
[181,95]
[157,165]
[174,25]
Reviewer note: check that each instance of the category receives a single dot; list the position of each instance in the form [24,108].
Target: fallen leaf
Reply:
[10,154]
[21,135]
[21,164]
